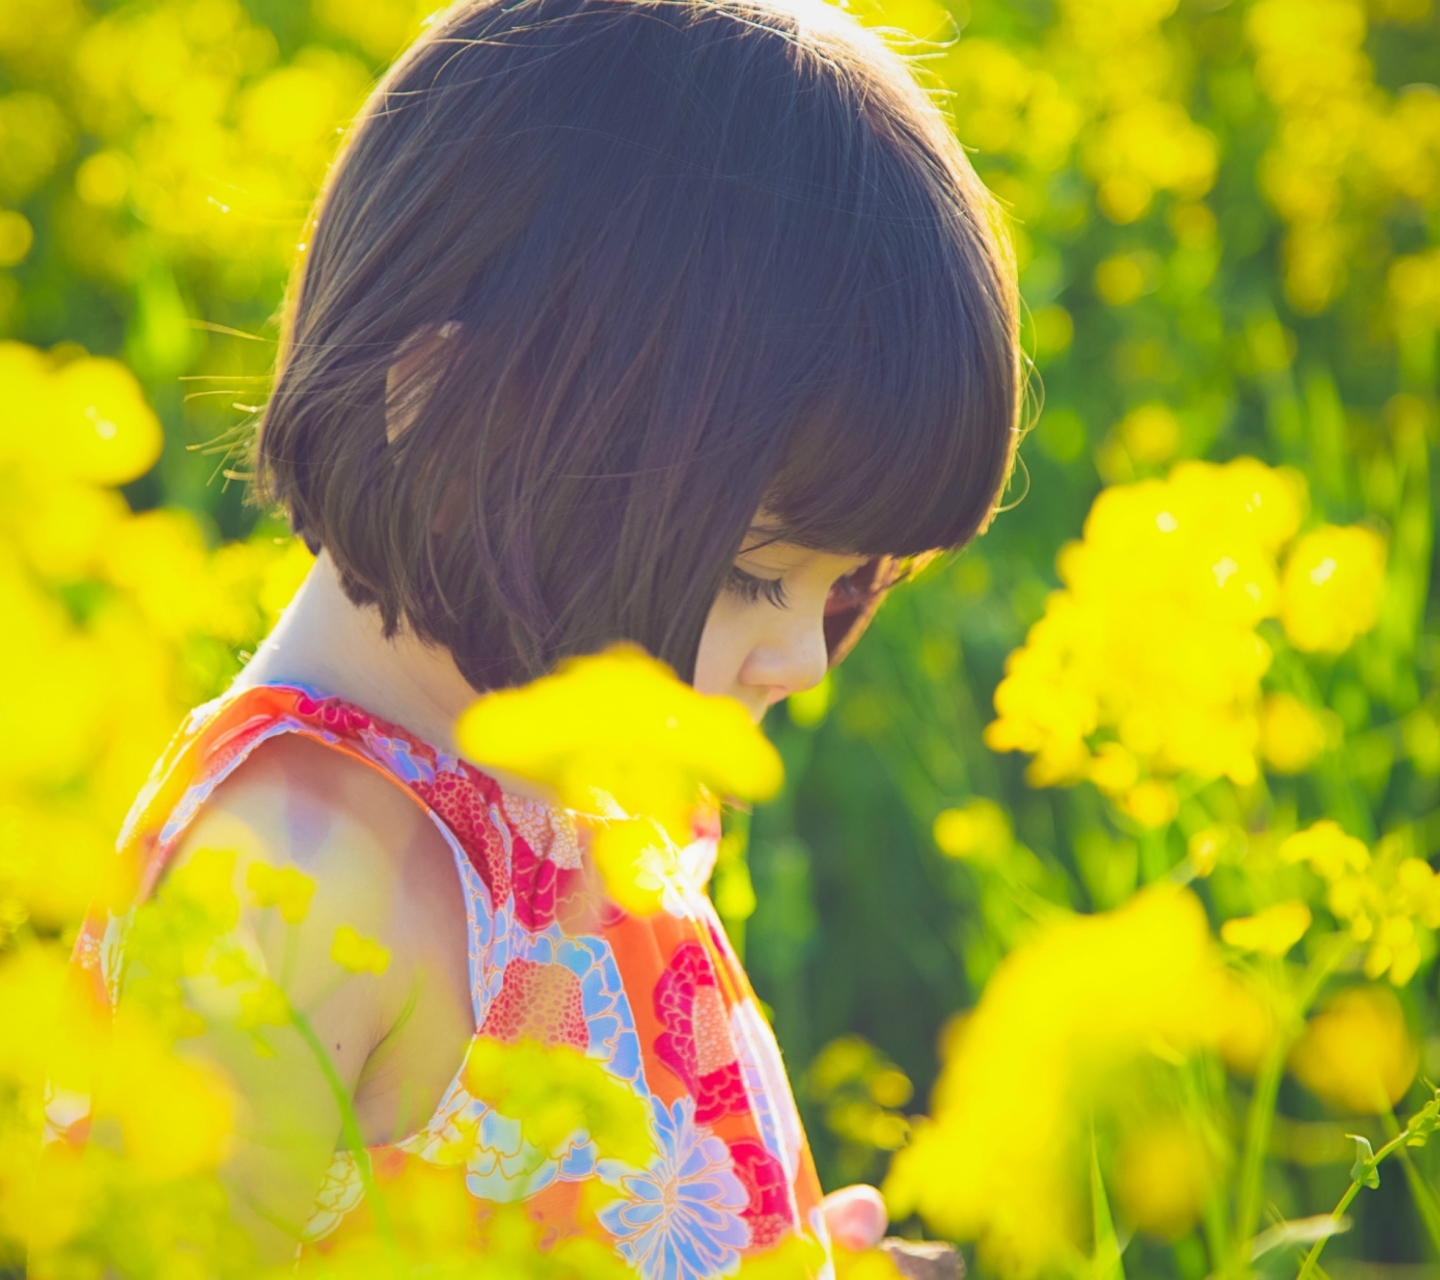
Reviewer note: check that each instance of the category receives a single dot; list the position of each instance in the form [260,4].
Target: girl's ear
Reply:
[418,361]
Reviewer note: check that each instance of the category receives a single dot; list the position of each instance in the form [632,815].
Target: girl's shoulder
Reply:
[296,761]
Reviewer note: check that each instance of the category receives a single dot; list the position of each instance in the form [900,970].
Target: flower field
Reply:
[1097,915]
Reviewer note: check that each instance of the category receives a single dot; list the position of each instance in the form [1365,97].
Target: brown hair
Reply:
[640,266]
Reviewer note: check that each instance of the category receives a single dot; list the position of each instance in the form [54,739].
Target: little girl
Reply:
[682,322]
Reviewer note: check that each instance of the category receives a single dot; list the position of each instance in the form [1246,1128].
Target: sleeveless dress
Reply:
[661,1001]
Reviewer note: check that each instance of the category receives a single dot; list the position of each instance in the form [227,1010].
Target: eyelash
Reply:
[752,589]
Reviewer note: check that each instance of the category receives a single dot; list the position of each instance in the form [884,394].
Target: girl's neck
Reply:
[326,641]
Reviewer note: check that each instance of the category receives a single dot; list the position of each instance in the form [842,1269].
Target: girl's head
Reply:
[593,283]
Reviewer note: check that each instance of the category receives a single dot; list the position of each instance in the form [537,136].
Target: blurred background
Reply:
[1225,214]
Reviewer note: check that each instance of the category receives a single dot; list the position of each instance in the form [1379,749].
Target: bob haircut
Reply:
[593,281]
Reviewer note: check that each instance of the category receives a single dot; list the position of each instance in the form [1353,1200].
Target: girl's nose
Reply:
[787,664]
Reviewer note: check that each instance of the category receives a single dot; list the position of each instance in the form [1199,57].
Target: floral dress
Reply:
[661,1001]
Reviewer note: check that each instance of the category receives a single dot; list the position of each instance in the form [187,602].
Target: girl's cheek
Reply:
[723,649]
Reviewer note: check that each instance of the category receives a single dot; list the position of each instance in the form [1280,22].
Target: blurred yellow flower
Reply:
[1152,803]
[1150,433]
[1331,590]
[978,830]
[1357,1053]
[1063,1014]
[263,1005]
[1291,735]
[555,1091]
[287,888]
[1381,900]
[1271,932]
[351,950]
[176,1116]
[1165,1174]
[616,736]
[1328,850]
[1247,1024]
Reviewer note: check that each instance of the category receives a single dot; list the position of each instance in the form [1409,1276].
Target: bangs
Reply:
[912,446]
[882,359]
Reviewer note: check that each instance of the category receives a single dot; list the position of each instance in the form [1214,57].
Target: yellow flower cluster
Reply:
[617,737]
[1102,82]
[1344,148]
[862,1092]
[1088,999]
[119,622]
[1382,901]
[1147,664]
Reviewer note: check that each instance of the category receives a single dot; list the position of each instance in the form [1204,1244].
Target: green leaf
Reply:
[1363,1170]
[1106,1264]
[1425,1121]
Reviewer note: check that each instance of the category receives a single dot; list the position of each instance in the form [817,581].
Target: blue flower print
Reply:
[680,1220]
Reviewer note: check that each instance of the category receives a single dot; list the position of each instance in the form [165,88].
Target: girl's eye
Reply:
[752,589]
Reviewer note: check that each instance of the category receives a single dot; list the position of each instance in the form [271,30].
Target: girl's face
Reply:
[764,637]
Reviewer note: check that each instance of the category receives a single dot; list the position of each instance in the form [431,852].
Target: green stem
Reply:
[1420,1188]
[1261,1116]
[349,1122]
[1258,1124]
[1351,1192]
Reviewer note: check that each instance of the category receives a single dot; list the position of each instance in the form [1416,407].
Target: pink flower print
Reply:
[534,881]
[463,805]
[538,1001]
[697,1044]
[333,714]
[769,1213]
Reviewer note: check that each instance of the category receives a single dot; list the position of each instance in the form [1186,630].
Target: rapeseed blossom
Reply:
[1330,591]
[616,736]
[1165,1173]
[1271,932]
[1089,1000]
[1383,902]
[1147,664]
[1357,1053]
[1291,734]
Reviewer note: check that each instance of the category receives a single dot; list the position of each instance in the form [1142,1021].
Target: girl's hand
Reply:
[855,1217]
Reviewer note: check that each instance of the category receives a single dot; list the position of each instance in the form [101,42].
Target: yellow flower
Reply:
[1246,1023]
[1382,900]
[1147,663]
[264,1005]
[1331,589]
[979,830]
[1152,803]
[1210,845]
[1062,1013]
[87,419]
[353,951]
[1271,932]
[1165,1174]
[1328,850]
[556,1091]
[1291,735]
[287,888]
[176,1116]
[618,737]
[1357,1053]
